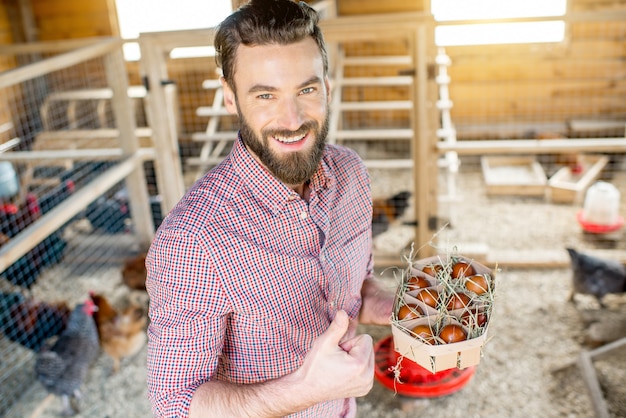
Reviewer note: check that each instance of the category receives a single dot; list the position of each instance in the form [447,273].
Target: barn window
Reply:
[475,22]
[137,16]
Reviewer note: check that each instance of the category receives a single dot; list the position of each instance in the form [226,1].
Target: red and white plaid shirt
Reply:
[244,275]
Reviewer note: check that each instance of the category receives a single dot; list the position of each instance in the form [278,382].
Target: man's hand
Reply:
[377,304]
[334,370]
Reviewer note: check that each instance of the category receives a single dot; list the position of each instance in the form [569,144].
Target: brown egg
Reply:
[452,333]
[462,269]
[417,282]
[432,269]
[477,283]
[425,332]
[474,318]
[458,301]
[429,296]
[410,311]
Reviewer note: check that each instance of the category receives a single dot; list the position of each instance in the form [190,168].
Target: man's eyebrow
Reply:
[313,80]
[262,87]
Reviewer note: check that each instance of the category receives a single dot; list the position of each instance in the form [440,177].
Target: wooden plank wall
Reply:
[68,19]
[6,38]
[357,7]
[539,85]
[492,85]
[5,26]
[531,86]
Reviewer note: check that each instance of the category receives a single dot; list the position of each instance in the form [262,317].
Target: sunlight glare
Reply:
[500,33]
[137,16]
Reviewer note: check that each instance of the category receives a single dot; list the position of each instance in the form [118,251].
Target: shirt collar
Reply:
[272,193]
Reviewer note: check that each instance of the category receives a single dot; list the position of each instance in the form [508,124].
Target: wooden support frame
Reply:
[585,363]
[418,30]
[160,93]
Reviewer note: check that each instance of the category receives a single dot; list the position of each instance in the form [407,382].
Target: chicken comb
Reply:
[89,306]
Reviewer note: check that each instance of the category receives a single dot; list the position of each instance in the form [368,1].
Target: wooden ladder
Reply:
[214,140]
[339,132]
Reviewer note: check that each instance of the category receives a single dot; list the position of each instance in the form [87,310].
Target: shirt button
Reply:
[303,215]
[291,197]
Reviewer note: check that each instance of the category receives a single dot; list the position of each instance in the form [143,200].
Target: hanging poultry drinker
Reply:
[600,213]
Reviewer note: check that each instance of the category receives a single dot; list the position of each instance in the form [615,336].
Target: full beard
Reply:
[293,168]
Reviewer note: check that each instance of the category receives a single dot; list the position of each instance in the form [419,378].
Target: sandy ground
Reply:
[529,364]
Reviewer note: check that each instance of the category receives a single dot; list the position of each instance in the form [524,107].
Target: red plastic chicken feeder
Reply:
[414,380]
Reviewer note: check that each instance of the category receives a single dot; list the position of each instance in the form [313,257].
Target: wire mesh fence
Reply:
[68,219]
[546,123]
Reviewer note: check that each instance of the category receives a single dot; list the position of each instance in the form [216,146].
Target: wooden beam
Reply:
[534,146]
[75,155]
[57,62]
[378,81]
[88,134]
[49,46]
[65,211]
[593,386]
[377,105]
[374,134]
[135,92]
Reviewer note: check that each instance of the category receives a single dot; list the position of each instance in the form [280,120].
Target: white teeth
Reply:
[289,140]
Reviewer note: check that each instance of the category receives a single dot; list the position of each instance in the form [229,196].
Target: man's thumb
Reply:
[338,327]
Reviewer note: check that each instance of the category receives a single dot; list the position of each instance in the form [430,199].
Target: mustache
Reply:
[303,129]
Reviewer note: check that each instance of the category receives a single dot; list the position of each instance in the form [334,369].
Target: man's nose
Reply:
[291,114]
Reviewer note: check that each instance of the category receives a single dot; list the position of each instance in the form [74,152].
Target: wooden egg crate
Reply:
[513,175]
[566,186]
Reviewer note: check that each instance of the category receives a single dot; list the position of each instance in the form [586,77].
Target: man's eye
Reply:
[308,90]
[265,96]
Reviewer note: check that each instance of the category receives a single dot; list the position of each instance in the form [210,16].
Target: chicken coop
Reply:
[490,150]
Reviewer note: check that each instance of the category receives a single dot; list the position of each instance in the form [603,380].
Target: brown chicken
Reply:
[134,272]
[121,332]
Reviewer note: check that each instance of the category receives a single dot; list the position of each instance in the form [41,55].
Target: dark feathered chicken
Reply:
[57,195]
[14,218]
[62,368]
[26,269]
[386,211]
[7,302]
[594,276]
[108,215]
[30,322]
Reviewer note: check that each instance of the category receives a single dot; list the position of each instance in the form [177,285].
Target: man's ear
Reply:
[229,97]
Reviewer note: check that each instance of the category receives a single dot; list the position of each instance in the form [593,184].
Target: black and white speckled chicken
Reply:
[595,276]
[62,368]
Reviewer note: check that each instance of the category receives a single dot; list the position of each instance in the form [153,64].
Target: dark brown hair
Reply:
[264,22]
